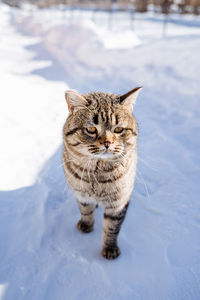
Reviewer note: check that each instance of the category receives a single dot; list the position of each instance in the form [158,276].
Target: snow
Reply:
[43,256]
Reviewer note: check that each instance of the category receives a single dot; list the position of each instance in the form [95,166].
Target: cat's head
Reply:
[100,125]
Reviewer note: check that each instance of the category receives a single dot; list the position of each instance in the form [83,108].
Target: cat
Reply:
[100,157]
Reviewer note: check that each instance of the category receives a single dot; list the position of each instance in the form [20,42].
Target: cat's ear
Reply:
[129,98]
[74,101]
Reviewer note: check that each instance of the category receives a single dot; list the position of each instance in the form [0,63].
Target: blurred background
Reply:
[49,46]
[164,6]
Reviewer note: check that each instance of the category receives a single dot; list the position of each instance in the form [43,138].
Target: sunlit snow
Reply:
[43,256]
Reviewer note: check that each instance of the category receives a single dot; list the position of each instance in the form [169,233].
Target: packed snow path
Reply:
[43,256]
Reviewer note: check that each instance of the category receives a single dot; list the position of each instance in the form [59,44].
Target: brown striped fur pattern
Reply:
[99,158]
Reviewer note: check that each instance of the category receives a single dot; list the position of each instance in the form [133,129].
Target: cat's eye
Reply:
[91,130]
[119,129]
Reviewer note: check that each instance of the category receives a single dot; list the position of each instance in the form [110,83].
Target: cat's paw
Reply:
[84,227]
[111,253]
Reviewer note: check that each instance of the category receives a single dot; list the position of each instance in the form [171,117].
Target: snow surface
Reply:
[43,256]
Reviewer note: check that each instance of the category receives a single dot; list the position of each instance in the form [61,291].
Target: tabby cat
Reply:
[100,157]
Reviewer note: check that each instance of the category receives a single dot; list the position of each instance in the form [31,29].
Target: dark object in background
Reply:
[161,6]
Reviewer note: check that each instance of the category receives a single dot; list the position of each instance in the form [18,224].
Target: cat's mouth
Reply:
[105,154]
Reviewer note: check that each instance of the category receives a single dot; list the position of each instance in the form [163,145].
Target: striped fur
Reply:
[100,166]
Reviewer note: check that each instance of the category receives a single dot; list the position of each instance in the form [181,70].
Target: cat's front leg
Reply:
[86,222]
[112,224]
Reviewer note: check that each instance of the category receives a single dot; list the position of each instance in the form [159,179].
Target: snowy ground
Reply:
[42,254]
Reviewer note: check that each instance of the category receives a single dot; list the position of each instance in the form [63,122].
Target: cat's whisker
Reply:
[77,158]
[73,173]
[146,188]
[67,160]
[60,165]
[139,179]
[68,177]
[142,160]
[88,170]
[95,177]
[83,174]
[124,156]
[65,189]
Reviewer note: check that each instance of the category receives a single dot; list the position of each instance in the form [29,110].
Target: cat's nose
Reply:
[107,144]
